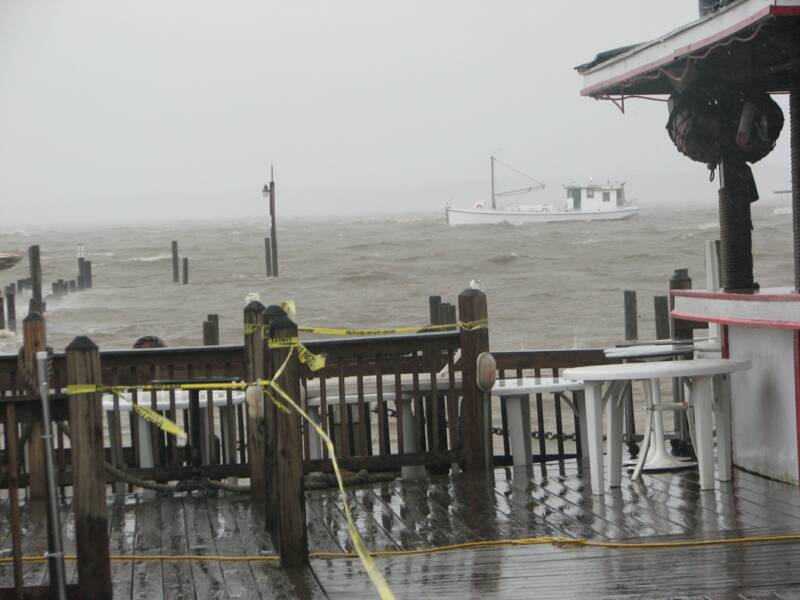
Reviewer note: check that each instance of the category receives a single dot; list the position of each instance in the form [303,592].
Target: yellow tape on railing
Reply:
[367,561]
[468,325]
[315,362]
[159,421]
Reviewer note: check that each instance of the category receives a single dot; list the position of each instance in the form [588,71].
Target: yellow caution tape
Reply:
[315,362]
[367,561]
[467,325]
[159,421]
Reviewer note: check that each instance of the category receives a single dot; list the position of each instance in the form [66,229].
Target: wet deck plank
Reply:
[148,577]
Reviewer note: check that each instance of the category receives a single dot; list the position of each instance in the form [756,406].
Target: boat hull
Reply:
[488,216]
[8,260]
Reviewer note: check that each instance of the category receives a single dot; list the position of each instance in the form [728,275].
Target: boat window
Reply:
[590,192]
[606,196]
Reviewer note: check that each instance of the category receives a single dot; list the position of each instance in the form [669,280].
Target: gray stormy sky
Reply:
[132,110]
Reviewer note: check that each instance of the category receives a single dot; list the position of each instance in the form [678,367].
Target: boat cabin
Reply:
[595,197]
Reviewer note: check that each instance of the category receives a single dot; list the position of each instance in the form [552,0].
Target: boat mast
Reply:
[491,161]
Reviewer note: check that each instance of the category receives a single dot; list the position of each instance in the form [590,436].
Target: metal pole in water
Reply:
[56,553]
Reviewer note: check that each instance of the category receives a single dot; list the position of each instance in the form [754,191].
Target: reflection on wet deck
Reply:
[452,509]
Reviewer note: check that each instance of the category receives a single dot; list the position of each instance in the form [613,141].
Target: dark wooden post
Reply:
[34,258]
[11,308]
[254,360]
[681,330]
[272,312]
[2,312]
[87,276]
[475,403]
[176,275]
[292,535]
[35,340]
[211,331]
[88,472]
[661,306]
[631,322]
[434,302]
[185,271]
[73,286]
[268,255]
[81,271]
[273,223]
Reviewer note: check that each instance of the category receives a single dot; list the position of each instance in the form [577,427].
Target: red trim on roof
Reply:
[680,53]
[737,296]
[739,322]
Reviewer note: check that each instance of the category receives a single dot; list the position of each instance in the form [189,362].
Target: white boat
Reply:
[581,202]
[8,260]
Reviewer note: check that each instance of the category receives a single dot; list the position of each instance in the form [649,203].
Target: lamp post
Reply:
[269,192]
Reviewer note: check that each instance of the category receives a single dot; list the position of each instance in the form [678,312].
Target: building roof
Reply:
[749,42]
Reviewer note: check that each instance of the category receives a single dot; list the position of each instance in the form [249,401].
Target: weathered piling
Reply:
[185,271]
[434,304]
[473,341]
[631,319]
[268,256]
[73,286]
[34,340]
[81,271]
[2,312]
[35,264]
[272,312]
[292,536]
[211,331]
[273,224]
[661,308]
[176,275]
[88,472]
[11,309]
[87,274]
[254,361]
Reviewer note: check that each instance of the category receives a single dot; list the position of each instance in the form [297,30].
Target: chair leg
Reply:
[724,435]
[594,434]
[701,390]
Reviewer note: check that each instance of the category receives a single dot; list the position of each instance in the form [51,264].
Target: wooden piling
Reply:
[292,540]
[88,472]
[211,331]
[475,407]
[434,302]
[661,307]
[272,312]
[175,265]
[268,256]
[11,309]
[2,312]
[254,361]
[73,286]
[81,271]
[35,340]
[87,275]
[185,271]
[35,263]
[631,319]
[273,224]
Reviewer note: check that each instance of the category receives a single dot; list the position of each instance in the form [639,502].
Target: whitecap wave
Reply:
[153,258]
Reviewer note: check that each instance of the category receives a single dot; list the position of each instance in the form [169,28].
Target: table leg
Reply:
[580,408]
[314,441]
[724,439]
[701,390]
[594,435]
[518,409]
[614,425]
[410,442]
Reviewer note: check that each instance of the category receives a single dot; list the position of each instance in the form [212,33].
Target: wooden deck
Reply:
[454,509]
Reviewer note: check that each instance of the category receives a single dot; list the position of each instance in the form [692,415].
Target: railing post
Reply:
[631,322]
[254,360]
[88,472]
[34,340]
[211,331]
[272,312]
[475,404]
[292,536]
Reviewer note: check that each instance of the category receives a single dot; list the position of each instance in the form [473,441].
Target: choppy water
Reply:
[548,286]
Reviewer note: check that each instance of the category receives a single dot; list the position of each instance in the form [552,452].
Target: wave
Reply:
[369,276]
[504,259]
[708,225]
[153,258]
[782,210]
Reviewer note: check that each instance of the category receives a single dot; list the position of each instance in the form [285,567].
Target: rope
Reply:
[564,542]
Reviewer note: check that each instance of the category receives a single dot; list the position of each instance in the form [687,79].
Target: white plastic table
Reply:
[145,441]
[516,394]
[657,458]
[699,372]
